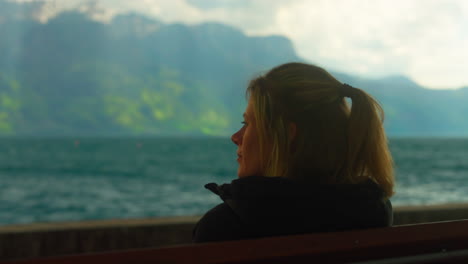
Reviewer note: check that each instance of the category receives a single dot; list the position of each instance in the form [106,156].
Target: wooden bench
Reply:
[445,242]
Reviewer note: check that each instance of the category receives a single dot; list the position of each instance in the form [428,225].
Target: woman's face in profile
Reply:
[246,140]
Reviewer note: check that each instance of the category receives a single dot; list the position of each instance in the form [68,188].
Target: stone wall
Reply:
[404,215]
[52,239]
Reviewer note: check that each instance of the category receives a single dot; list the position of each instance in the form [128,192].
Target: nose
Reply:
[236,138]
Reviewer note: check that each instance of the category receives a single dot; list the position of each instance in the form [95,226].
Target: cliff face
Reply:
[73,75]
[135,75]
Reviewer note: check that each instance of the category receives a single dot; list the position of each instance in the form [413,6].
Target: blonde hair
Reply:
[332,142]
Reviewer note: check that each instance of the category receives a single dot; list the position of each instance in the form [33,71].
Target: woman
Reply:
[308,162]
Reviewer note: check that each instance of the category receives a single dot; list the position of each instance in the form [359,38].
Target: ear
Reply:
[292,131]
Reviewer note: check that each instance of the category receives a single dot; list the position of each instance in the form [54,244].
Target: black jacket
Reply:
[272,206]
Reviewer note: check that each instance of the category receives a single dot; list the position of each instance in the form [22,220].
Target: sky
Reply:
[425,40]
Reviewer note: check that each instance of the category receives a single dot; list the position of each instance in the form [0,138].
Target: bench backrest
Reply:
[349,246]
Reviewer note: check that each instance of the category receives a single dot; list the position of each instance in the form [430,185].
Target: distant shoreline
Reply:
[180,136]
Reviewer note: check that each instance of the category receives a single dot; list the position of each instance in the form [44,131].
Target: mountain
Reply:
[139,76]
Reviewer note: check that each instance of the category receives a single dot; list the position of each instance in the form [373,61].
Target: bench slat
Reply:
[358,245]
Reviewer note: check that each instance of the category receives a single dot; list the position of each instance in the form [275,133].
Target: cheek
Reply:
[250,160]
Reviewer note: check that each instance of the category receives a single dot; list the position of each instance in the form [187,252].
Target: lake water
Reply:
[72,179]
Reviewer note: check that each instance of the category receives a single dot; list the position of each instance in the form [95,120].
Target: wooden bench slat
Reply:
[458,256]
[359,245]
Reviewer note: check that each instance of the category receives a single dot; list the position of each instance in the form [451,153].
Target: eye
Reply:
[244,123]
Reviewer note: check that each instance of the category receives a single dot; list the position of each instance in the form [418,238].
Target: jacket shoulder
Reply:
[218,224]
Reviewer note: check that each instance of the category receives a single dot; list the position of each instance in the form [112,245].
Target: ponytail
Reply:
[368,155]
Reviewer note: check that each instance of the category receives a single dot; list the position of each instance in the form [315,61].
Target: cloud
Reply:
[423,39]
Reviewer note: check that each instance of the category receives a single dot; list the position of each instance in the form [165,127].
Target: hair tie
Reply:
[346,90]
